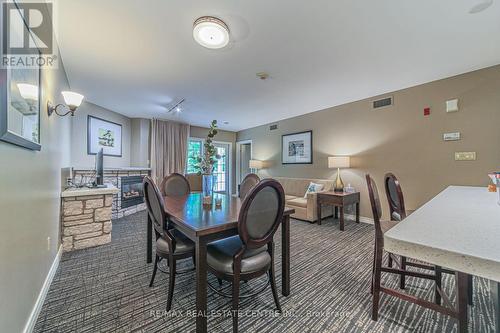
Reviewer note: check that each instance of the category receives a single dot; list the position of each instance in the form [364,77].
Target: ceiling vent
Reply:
[381,103]
[273,127]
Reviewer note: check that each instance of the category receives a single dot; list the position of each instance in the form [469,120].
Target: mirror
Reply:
[20,96]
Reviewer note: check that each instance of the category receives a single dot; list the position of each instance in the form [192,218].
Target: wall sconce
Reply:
[73,100]
[29,92]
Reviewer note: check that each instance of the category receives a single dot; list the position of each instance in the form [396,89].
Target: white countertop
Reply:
[84,191]
[458,229]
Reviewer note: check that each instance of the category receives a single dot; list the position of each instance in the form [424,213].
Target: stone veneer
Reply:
[86,221]
[113,176]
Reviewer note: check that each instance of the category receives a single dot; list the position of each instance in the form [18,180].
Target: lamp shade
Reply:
[72,99]
[339,162]
[256,164]
[28,91]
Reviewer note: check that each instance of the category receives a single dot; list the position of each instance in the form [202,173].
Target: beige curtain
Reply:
[169,142]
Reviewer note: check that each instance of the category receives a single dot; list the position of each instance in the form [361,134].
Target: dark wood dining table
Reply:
[204,225]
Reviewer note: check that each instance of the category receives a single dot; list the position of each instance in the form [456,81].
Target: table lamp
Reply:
[256,165]
[338,162]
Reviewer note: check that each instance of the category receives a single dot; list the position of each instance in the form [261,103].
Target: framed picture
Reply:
[296,148]
[20,96]
[104,134]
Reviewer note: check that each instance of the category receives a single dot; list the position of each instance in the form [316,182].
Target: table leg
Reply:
[149,240]
[357,212]
[319,212]
[201,286]
[285,256]
[341,208]
[336,212]
[462,301]
[495,294]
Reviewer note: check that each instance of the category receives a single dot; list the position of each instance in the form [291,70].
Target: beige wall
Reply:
[79,156]
[399,138]
[226,136]
[139,142]
[29,208]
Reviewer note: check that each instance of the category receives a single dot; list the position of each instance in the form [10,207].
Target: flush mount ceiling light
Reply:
[210,32]
[481,6]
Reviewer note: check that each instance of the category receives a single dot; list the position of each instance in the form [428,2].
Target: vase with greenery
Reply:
[204,165]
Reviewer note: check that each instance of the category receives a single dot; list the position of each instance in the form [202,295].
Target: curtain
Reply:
[169,142]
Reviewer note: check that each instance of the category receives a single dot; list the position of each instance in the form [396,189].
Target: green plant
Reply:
[204,165]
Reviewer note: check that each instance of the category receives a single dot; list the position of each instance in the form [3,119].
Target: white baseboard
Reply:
[30,324]
[362,219]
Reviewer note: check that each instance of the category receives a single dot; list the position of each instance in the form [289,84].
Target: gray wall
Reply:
[399,139]
[29,208]
[79,156]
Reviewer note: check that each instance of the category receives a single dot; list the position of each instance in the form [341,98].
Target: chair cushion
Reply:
[220,256]
[300,202]
[387,225]
[182,244]
[289,197]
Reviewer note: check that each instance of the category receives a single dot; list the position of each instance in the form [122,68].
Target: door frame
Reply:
[238,157]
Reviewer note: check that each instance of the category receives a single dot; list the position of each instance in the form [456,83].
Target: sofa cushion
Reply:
[289,197]
[300,202]
[298,186]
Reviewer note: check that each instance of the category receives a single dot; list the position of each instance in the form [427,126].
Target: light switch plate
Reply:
[465,156]
[452,105]
[452,136]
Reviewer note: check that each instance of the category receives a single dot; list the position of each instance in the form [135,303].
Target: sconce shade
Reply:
[339,162]
[256,164]
[72,99]
[28,91]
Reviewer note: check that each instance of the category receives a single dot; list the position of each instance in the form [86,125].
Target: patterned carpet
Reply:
[105,289]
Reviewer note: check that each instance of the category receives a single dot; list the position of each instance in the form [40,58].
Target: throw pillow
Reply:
[313,188]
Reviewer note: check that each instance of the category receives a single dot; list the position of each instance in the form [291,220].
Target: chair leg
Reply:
[273,287]
[171,282]
[389,263]
[470,287]
[220,282]
[376,282]
[154,271]
[373,269]
[235,301]
[439,276]
[402,277]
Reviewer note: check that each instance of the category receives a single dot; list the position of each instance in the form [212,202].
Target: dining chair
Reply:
[247,184]
[175,185]
[171,244]
[398,212]
[194,181]
[250,254]
[381,227]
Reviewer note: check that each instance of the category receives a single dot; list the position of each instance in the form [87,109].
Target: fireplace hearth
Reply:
[131,191]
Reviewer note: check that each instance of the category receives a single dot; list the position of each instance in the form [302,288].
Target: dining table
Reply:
[458,229]
[204,224]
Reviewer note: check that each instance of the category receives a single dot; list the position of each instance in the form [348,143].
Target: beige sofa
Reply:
[305,208]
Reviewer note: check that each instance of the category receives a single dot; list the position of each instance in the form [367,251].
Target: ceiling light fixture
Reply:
[210,32]
[481,6]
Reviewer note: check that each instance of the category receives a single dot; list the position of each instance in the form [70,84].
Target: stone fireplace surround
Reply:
[113,176]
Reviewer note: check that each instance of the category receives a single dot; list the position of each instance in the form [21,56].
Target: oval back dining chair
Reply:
[247,184]
[171,244]
[250,254]
[394,197]
[175,185]
[194,181]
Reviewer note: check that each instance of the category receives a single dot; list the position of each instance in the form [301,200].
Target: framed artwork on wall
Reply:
[104,134]
[296,148]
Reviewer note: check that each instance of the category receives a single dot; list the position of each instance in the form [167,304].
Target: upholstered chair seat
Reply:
[182,244]
[220,256]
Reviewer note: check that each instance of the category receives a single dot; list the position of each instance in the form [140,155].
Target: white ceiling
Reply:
[134,57]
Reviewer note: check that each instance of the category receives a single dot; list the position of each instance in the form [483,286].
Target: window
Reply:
[194,151]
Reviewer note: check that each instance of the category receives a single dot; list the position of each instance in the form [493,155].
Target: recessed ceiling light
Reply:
[481,6]
[211,32]
[226,122]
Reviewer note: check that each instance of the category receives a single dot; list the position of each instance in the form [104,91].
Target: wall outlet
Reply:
[465,156]
[454,136]
[48,243]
